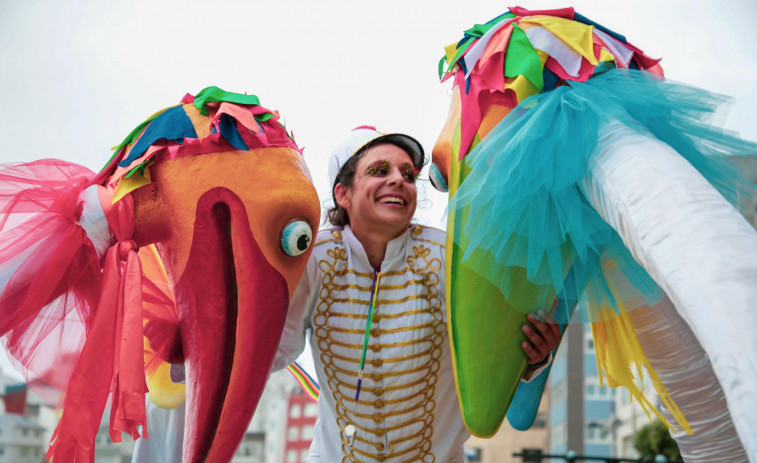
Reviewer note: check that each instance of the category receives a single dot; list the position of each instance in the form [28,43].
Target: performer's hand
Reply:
[544,337]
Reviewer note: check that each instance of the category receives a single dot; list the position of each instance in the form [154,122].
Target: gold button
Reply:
[379,404]
[377,391]
[380,447]
[380,432]
[381,458]
[375,347]
[377,377]
[376,318]
[376,362]
[378,418]
[375,332]
[337,236]
[417,230]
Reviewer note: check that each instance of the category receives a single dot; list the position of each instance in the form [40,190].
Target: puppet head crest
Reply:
[522,53]
[212,121]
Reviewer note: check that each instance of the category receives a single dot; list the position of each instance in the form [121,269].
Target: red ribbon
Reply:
[112,359]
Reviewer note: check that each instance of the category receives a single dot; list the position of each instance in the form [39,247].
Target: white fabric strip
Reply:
[682,365]
[546,41]
[477,50]
[696,246]
[94,222]
[616,48]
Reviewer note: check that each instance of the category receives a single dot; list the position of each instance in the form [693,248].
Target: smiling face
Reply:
[382,197]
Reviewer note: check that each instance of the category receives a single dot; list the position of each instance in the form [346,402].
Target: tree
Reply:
[654,439]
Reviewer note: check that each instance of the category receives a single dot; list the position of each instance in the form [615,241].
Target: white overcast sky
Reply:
[78,75]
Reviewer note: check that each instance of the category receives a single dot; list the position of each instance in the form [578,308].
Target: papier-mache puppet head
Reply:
[220,189]
[520,238]
[518,54]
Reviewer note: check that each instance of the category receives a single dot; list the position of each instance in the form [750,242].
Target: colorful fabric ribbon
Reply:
[306,382]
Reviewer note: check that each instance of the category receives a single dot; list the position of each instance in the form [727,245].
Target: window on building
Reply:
[293,433]
[32,411]
[295,411]
[557,435]
[540,421]
[311,410]
[307,433]
[597,433]
[303,455]
[559,392]
[24,451]
[588,342]
[596,392]
[472,453]
[291,456]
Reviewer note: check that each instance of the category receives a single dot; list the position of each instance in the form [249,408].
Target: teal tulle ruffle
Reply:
[523,197]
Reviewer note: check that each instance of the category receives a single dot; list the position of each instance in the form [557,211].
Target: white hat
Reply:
[365,137]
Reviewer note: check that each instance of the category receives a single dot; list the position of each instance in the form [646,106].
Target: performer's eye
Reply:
[411,173]
[296,238]
[378,168]
[437,179]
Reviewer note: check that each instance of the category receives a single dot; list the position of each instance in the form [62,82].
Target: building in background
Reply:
[107,451]
[585,417]
[301,417]
[22,438]
[500,448]
[629,418]
[581,413]
[27,424]
[265,437]
[252,448]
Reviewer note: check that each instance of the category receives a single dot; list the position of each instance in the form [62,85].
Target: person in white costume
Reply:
[372,301]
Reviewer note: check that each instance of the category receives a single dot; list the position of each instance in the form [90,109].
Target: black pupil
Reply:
[302,242]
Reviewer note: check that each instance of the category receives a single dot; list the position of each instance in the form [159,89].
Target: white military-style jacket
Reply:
[408,409]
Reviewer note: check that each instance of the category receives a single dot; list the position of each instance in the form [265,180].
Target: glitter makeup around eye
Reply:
[378,167]
[412,171]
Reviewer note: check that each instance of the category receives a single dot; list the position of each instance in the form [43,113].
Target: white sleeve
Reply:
[532,371]
[166,435]
[297,322]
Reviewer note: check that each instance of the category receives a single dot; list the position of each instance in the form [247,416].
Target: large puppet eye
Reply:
[296,238]
[437,179]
